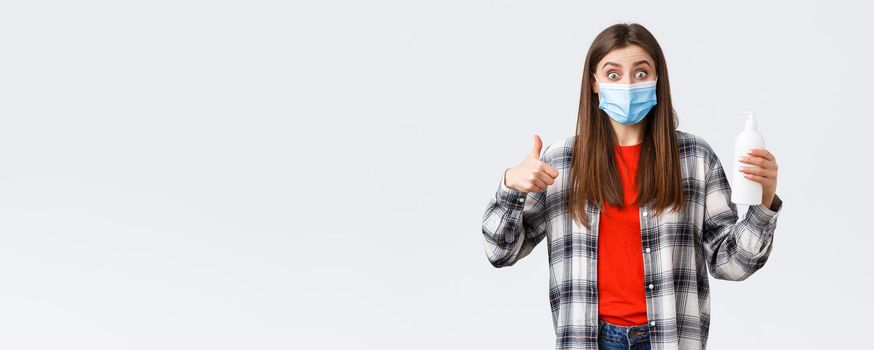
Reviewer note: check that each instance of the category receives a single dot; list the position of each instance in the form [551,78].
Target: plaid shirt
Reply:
[678,248]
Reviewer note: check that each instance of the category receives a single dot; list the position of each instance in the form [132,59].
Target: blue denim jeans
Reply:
[614,337]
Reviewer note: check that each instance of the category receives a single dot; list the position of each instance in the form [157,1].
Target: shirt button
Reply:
[521,199]
[651,286]
[645,214]
[647,250]
[652,323]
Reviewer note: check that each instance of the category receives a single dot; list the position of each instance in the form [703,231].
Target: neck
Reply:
[628,135]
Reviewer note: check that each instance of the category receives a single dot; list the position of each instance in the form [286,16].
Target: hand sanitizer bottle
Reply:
[746,191]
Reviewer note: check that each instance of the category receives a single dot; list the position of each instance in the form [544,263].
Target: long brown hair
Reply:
[595,177]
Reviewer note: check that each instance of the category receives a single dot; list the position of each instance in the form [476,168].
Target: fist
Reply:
[532,174]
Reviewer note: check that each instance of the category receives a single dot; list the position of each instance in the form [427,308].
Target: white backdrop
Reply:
[273,175]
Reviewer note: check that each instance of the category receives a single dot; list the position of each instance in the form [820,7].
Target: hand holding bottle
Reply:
[532,174]
[763,171]
[758,167]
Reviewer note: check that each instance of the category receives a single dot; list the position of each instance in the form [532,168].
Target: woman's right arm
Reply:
[514,221]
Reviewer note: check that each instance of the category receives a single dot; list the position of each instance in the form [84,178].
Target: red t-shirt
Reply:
[622,297]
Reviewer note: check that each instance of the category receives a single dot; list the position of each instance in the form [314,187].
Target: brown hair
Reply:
[594,175]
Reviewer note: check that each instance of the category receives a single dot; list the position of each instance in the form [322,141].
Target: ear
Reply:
[594,84]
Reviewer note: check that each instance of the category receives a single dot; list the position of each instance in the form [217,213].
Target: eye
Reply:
[612,75]
[640,74]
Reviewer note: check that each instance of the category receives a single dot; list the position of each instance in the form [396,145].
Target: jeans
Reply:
[613,337]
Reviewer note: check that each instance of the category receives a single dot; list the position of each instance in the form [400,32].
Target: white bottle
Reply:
[743,190]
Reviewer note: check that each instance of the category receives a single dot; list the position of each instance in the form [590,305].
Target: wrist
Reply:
[768,201]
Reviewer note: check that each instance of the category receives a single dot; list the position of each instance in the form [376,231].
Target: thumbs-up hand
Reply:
[532,174]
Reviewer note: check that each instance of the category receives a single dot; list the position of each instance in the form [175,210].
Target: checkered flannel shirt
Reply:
[678,248]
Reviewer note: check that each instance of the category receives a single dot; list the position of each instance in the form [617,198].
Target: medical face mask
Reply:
[627,103]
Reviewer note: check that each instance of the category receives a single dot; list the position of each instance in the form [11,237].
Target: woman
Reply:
[631,271]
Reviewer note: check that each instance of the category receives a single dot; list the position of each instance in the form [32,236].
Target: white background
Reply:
[274,175]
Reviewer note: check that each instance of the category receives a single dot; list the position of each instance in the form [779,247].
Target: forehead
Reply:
[626,56]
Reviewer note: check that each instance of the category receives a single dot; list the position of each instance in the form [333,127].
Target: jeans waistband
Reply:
[632,334]
[640,327]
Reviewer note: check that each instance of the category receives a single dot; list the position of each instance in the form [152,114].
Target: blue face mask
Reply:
[627,103]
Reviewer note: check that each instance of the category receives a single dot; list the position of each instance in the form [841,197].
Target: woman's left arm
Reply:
[737,249]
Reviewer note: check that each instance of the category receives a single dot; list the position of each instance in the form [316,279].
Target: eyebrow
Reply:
[619,65]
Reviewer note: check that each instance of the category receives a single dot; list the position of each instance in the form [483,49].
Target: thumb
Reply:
[538,144]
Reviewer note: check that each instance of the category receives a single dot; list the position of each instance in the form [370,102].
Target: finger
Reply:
[538,144]
[757,160]
[546,178]
[759,171]
[550,170]
[757,178]
[761,152]
[539,184]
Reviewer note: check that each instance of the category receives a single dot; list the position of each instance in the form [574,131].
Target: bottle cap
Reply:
[751,120]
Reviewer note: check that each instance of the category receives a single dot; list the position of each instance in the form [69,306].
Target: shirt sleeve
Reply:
[514,223]
[735,250]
